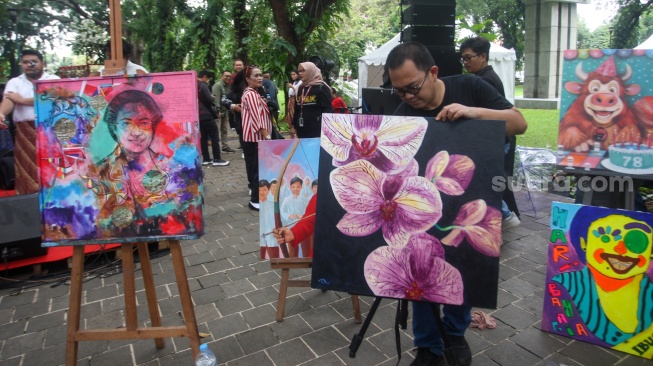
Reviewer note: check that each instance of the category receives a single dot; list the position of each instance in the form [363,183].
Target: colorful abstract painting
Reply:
[599,277]
[118,159]
[287,181]
[406,208]
[606,111]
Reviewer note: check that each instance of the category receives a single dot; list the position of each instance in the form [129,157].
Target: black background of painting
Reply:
[338,259]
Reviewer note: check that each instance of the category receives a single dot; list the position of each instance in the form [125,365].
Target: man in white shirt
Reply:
[130,67]
[19,98]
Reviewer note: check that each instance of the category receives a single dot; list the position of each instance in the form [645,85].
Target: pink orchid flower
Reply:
[480,225]
[388,142]
[374,200]
[450,173]
[416,272]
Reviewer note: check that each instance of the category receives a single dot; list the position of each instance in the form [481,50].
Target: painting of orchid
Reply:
[408,210]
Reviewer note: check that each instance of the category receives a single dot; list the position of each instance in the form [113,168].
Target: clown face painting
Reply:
[599,277]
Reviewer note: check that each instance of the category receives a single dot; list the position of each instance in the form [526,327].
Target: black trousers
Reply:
[250,149]
[209,130]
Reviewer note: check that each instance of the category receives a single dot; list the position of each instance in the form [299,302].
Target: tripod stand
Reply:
[401,320]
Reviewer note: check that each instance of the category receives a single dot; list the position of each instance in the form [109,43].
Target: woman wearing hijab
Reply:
[313,98]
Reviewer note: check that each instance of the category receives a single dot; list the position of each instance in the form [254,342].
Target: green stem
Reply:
[445,228]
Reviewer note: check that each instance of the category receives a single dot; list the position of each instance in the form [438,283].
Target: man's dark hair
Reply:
[229,71]
[263,183]
[295,180]
[273,181]
[236,60]
[413,51]
[29,52]
[203,73]
[238,82]
[479,45]
[126,48]
[130,97]
[314,183]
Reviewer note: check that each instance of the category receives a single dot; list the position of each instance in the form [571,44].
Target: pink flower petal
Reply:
[414,273]
[446,284]
[399,140]
[461,169]
[471,213]
[454,238]
[436,166]
[359,224]
[336,136]
[485,237]
[425,240]
[449,186]
[387,272]
[358,187]
[394,234]
[394,182]
[419,206]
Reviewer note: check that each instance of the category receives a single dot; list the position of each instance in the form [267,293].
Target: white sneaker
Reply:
[510,222]
[250,192]
[242,155]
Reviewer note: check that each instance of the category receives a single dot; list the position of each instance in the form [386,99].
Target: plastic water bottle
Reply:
[206,357]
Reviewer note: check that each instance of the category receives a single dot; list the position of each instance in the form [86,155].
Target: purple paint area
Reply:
[72,222]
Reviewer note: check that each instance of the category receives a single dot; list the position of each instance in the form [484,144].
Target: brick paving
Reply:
[235,298]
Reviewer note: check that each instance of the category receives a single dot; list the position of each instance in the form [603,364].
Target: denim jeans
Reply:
[505,211]
[456,320]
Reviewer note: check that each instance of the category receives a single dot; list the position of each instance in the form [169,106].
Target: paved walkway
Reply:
[235,298]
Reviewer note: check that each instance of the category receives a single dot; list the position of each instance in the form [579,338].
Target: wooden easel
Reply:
[285,265]
[116,63]
[132,330]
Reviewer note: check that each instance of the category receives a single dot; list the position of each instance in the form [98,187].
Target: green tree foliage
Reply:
[507,16]
[627,24]
[646,26]
[369,24]
[599,38]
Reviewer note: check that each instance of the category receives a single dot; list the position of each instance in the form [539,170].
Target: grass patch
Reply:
[542,128]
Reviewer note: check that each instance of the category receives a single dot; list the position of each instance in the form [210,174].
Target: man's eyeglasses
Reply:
[466,59]
[413,90]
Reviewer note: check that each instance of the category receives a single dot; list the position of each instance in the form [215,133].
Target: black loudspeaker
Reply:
[429,35]
[379,101]
[420,14]
[447,61]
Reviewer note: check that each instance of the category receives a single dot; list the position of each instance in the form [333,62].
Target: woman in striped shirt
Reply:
[256,126]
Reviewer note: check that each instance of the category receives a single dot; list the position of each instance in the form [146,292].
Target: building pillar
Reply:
[551,28]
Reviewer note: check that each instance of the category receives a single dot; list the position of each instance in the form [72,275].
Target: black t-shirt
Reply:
[490,76]
[312,101]
[467,90]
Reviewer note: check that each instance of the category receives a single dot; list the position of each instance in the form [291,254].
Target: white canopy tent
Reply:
[370,67]
[646,45]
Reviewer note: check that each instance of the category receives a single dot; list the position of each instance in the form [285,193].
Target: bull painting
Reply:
[600,112]
[606,111]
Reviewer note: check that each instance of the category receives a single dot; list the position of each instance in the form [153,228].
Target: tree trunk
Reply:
[241,30]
